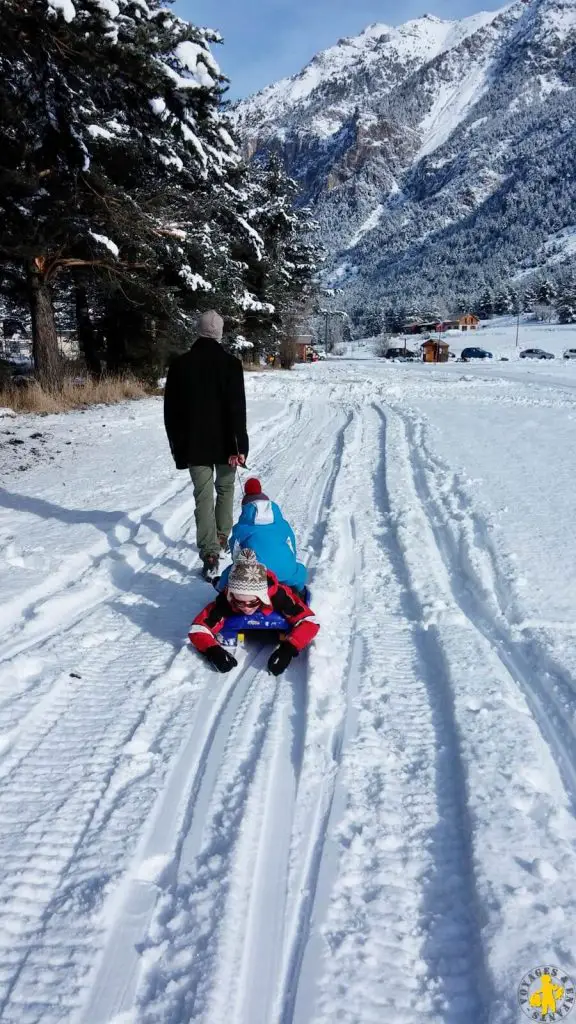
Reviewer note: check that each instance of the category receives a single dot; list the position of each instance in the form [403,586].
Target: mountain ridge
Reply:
[400,136]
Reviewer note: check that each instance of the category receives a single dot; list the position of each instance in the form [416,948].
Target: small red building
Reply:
[303,345]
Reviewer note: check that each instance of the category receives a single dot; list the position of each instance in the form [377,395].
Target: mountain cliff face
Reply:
[440,156]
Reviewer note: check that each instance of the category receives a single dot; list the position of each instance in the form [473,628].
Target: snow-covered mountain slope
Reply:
[416,144]
[380,57]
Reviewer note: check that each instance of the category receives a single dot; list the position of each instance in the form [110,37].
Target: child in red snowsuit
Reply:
[250,588]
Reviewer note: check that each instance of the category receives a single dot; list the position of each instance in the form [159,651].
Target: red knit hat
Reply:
[252,487]
[253,491]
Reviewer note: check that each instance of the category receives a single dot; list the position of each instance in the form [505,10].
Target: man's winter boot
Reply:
[223,541]
[210,567]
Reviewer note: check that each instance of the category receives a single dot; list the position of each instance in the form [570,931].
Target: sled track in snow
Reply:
[190,777]
[77,591]
[245,987]
[105,742]
[311,885]
[311,877]
[549,691]
[30,712]
[266,730]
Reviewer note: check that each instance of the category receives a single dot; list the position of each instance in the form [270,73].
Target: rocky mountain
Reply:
[439,157]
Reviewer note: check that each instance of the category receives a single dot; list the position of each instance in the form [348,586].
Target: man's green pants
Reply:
[213,523]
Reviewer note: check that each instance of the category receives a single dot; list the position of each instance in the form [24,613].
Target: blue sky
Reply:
[267,39]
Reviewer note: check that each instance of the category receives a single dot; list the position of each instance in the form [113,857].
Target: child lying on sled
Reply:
[262,528]
[251,588]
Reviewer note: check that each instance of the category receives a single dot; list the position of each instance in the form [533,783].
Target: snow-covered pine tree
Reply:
[399,319]
[566,306]
[115,153]
[515,300]
[388,319]
[504,301]
[547,293]
[280,276]
[529,299]
[485,306]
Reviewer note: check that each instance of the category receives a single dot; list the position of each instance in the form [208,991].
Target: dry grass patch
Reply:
[72,395]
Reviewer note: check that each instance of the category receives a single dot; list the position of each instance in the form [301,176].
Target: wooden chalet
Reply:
[435,351]
[467,322]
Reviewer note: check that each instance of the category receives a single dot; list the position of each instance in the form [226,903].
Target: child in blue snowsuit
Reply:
[262,528]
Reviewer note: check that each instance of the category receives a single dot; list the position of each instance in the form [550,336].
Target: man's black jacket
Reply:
[205,406]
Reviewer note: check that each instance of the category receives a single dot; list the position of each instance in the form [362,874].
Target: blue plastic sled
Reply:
[237,626]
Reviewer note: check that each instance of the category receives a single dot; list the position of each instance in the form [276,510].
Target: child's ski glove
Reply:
[280,658]
[220,659]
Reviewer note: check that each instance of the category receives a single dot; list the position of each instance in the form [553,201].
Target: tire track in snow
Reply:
[514,789]
[39,842]
[484,595]
[382,896]
[451,907]
[27,718]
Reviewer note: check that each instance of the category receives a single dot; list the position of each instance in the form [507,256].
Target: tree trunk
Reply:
[287,354]
[45,352]
[115,333]
[86,334]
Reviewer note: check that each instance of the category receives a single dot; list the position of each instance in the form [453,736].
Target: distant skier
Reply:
[251,588]
[262,528]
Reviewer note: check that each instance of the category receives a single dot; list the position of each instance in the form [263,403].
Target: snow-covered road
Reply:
[385,833]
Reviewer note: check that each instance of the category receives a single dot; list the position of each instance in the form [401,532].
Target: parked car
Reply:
[570,353]
[475,353]
[535,353]
[403,354]
[16,374]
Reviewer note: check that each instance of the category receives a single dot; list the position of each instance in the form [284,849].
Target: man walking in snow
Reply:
[205,419]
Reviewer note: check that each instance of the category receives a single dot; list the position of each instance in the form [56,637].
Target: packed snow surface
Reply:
[387,832]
